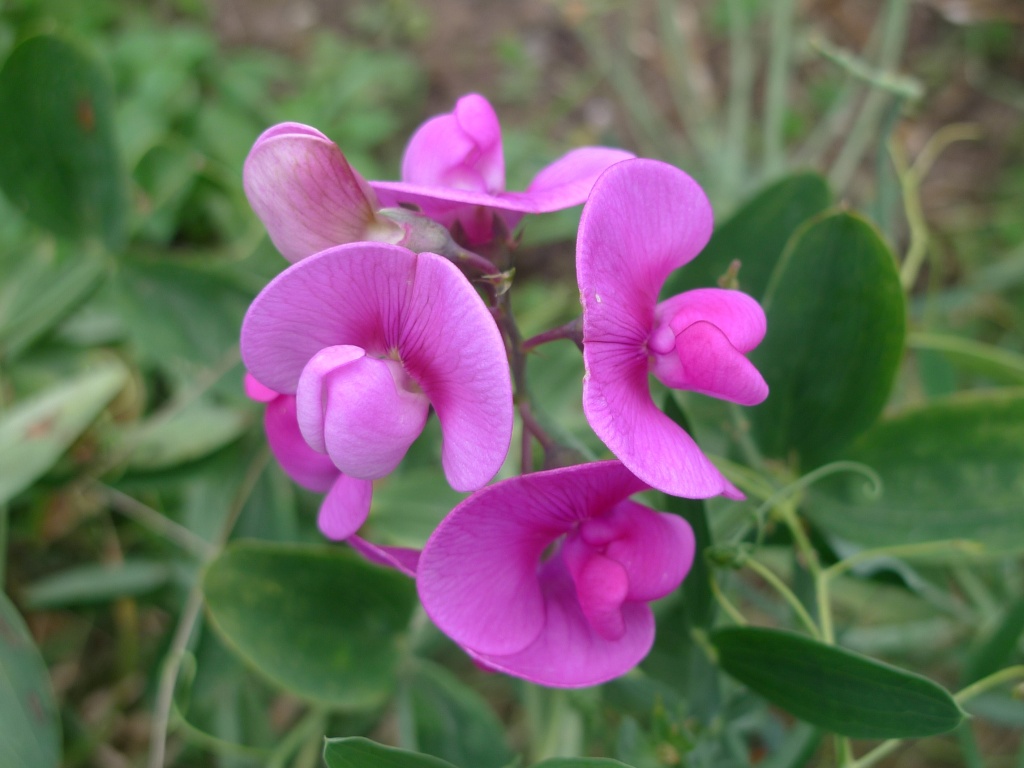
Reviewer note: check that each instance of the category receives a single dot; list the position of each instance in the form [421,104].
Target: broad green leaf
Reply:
[58,158]
[93,583]
[35,432]
[756,234]
[833,688]
[454,722]
[357,752]
[950,470]
[196,430]
[316,620]
[835,337]
[29,721]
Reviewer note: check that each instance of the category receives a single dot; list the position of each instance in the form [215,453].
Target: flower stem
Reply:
[786,593]
[994,680]
[572,330]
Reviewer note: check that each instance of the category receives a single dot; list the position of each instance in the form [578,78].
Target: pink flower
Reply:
[547,576]
[454,172]
[643,220]
[316,472]
[368,337]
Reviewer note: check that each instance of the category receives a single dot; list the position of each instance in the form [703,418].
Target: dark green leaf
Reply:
[356,752]
[29,722]
[454,722]
[835,689]
[58,157]
[316,620]
[950,470]
[756,235]
[36,432]
[835,337]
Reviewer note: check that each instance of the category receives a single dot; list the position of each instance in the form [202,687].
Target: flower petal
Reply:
[310,469]
[402,559]
[569,179]
[307,195]
[478,576]
[736,314]
[618,405]
[345,507]
[256,391]
[568,653]
[704,361]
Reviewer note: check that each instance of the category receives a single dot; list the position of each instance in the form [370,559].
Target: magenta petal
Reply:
[569,179]
[451,346]
[313,471]
[618,405]
[478,576]
[402,559]
[705,362]
[311,410]
[256,391]
[736,314]
[307,195]
[568,653]
[345,507]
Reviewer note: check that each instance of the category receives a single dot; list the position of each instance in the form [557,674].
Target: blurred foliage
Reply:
[129,457]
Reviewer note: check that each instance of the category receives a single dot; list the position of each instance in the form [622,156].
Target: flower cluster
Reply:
[378,323]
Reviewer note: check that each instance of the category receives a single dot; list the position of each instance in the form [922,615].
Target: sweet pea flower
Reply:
[643,220]
[316,472]
[548,576]
[368,337]
[453,170]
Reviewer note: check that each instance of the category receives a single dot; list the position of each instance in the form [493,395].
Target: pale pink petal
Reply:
[736,314]
[451,346]
[313,471]
[618,406]
[478,576]
[568,653]
[461,149]
[256,391]
[704,361]
[366,418]
[602,586]
[569,179]
[345,507]
[402,559]
[307,195]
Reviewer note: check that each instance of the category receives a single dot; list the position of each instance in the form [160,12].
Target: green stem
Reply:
[741,83]
[884,749]
[312,723]
[924,549]
[4,527]
[158,523]
[786,593]
[994,680]
[725,603]
[772,136]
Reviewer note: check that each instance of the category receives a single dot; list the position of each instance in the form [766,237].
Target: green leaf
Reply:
[316,620]
[454,722]
[58,157]
[94,583]
[999,648]
[835,689]
[835,337]
[36,432]
[357,752]
[191,433]
[29,722]
[999,364]
[756,234]
[950,470]
[581,762]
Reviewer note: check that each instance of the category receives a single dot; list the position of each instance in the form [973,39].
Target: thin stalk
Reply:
[157,522]
[573,330]
[725,603]
[986,684]
[883,750]
[786,593]
[924,549]
[741,84]
[772,138]
[4,528]
[312,723]
[894,28]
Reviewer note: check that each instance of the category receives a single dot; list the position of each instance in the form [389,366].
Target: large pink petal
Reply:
[402,559]
[643,220]
[569,179]
[348,295]
[451,346]
[568,653]
[618,405]
[461,149]
[478,576]
[308,468]
[345,507]
[705,361]
[307,195]
[736,314]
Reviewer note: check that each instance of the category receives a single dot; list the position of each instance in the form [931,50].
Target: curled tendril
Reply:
[873,487]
